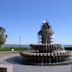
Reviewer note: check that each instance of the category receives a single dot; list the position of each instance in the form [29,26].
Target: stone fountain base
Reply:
[46,54]
[44,58]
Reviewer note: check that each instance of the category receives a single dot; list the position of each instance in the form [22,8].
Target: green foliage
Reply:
[2,36]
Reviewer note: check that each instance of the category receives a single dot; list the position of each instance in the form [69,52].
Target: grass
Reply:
[15,49]
[23,49]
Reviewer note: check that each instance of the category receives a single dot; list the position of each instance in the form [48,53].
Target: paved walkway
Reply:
[28,68]
[20,68]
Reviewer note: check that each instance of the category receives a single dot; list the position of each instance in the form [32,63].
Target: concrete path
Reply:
[28,68]
[23,68]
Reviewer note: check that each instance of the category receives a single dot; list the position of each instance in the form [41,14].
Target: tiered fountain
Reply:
[45,53]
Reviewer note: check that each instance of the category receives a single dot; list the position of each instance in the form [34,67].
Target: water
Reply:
[15,45]
[21,61]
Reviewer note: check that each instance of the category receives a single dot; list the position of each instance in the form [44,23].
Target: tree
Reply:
[3,36]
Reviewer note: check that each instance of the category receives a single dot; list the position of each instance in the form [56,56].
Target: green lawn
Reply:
[23,49]
[14,49]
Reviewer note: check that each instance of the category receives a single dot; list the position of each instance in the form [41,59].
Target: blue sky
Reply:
[23,18]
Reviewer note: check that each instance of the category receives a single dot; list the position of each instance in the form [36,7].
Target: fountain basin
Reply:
[48,58]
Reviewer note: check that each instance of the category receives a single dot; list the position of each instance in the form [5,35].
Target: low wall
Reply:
[6,68]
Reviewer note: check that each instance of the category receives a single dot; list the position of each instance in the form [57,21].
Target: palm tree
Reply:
[2,36]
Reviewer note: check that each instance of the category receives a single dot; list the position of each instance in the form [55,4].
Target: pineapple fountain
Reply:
[45,53]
